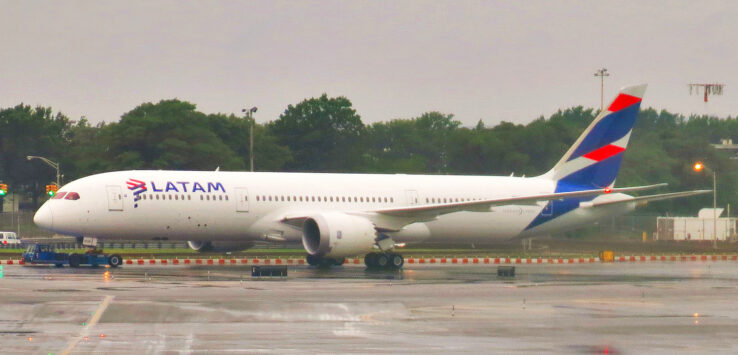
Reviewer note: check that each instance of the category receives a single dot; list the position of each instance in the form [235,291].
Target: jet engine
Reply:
[337,235]
[218,246]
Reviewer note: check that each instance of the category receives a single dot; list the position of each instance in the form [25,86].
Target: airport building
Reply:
[700,228]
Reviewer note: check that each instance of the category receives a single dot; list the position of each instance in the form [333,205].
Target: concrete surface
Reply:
[656,307]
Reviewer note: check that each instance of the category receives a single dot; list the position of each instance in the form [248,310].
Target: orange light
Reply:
[30,339]
[696,314]
[698,166]
[102,335]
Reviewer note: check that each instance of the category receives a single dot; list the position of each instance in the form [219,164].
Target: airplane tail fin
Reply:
[594,159]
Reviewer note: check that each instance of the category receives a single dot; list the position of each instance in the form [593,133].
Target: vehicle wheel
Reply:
[370,260]
[312,260]
[58,265]
[74,260]
[383,260]
[396,260]
[115,260]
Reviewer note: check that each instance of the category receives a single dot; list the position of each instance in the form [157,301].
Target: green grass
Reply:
[552,248]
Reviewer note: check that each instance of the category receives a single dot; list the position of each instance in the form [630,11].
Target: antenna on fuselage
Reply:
[217,169]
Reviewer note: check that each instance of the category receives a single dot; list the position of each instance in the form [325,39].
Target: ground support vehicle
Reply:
[46,254]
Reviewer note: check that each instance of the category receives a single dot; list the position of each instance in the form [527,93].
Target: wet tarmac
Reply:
[658,307]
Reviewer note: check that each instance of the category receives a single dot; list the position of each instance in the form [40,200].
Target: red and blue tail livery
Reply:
[594,159]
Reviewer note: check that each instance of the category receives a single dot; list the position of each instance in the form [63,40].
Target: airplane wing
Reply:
[393,219]
[643,200]
[423,212]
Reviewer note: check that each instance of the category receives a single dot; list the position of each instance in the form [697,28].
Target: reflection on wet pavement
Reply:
[586,309]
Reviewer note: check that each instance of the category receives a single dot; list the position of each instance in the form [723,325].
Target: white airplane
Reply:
[341,215]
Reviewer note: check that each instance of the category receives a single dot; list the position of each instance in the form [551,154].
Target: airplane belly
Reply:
[502,223]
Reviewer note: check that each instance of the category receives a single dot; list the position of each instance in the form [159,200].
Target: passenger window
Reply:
[207,197]
[247,198]
[202,198]
[220,197]
[176,197]
[189,197]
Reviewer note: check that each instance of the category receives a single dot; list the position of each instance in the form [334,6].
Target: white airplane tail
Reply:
[594,159]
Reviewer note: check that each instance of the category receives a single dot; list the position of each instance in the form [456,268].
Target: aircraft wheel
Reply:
[115,260]
[312,260]
[370,260]
[383,260]
[396,260]
[75,260]
[338,262]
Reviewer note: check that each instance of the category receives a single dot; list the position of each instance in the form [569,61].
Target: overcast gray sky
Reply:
[490,60]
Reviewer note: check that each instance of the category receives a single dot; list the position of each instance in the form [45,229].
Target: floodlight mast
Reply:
[250,115]
[602,73]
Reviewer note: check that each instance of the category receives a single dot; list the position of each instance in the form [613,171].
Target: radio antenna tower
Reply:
[708,89]
[602,73]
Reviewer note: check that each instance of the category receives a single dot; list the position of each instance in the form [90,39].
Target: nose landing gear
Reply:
[384,261]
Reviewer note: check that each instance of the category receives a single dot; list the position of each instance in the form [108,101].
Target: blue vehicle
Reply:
[46,254]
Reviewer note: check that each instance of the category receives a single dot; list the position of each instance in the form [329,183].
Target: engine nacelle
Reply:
[337,235]
[222,246]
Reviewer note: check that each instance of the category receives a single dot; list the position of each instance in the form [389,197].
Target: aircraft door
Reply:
[412,197]
[115,198]
[242,198]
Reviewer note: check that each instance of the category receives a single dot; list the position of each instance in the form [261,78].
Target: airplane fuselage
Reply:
[238,206]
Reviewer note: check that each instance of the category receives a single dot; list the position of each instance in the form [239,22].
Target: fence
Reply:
[22,223]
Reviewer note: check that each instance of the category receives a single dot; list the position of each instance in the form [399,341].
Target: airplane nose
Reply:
[43,217]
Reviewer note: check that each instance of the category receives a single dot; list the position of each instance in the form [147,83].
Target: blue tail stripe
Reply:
[611,128]
[596,176]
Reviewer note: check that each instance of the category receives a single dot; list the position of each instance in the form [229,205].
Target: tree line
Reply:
[326,134]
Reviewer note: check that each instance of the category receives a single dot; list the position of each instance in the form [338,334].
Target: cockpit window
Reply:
[72,196]
[59,196]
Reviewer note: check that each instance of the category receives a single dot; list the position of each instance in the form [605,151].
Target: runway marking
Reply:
[618,301]
[90,323]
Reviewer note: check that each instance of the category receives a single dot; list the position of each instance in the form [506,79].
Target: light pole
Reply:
[250,115]
[698,167]
[602,73]
[52,164]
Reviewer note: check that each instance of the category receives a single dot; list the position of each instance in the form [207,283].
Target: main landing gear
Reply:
[324,262]
[390,261]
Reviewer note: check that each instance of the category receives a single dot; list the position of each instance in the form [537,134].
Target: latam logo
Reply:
[138,187]
[187,186]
